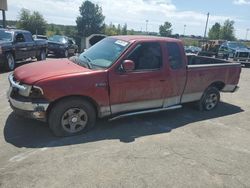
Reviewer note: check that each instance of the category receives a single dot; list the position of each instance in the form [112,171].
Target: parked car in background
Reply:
[43,37]
[192,49]
[235,51]
[62,46]
[18,45]
[119,76]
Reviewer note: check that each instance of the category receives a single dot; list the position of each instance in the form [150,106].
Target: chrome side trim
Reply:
[191,97]
[145,112]
[136,106]
[104,111]
[171,101]
[229,88]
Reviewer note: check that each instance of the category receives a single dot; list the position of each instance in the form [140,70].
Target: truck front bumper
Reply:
[28,107]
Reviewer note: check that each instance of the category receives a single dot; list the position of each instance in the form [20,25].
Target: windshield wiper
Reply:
[88,62]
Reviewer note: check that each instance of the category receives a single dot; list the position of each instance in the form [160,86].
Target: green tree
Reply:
[227,30]
[124,29]
[91,19]
[214,32]
[33,22]
[165,30]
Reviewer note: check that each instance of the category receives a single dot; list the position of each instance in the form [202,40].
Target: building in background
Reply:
[3,8]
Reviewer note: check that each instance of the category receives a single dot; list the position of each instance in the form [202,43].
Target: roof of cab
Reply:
[132,38]
[15,30]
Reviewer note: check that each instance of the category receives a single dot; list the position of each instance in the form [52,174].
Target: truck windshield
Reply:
[104,53]
[236,45]
[58,38]
[5,35]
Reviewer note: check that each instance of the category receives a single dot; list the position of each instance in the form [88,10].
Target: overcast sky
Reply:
[135,13]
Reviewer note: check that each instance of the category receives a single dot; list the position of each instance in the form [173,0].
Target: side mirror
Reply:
[128,65]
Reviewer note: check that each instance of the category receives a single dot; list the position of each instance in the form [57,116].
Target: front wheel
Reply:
[71,116]
[210,99]
[9,62]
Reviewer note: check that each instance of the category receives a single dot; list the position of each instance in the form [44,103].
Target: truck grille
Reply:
[243,54]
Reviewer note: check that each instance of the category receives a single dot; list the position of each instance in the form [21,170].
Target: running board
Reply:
[145,112]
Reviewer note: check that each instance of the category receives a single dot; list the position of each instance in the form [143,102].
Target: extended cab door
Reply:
[142,88]
[20,46]
[30,45]
[176,74]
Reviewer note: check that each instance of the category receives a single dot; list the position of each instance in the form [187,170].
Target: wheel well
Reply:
[95,105]
[219,85]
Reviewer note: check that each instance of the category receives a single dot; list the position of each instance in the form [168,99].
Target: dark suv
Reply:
[62,46]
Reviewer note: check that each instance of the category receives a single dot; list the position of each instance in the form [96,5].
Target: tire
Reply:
[42,55]
[209,100]
[9,62]
[71,116]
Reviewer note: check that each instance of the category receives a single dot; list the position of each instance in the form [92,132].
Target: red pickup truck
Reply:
[119,76]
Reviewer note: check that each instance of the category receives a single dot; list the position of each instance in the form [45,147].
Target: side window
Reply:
[20,37]
[174,56]
[28,37]
[146,56]
[70,41]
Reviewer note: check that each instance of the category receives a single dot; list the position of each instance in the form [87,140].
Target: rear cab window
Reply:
[174,55]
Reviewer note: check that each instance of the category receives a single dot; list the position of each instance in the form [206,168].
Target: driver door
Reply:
[142,88]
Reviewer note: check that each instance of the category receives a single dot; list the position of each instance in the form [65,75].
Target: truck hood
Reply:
[4,43]
[34,72]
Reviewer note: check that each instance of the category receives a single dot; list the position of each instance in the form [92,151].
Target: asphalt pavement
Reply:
[180,148]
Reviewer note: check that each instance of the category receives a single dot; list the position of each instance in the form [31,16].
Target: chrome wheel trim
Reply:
[66,53]
[74,120]
[211,101]
[43,55]
[11,62]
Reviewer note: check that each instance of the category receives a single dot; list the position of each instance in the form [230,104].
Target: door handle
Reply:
[162,80]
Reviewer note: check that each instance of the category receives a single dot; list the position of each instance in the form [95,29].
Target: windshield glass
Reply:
[236,45]
[58,38]
[104,53]
[5,35]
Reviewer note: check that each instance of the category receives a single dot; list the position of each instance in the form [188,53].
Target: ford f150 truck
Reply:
[18,45]
[119,76]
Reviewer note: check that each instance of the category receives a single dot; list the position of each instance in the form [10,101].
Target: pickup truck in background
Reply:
[119,76]
[18,45]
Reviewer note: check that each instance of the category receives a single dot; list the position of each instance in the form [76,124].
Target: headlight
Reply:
[1,51]
[36,92]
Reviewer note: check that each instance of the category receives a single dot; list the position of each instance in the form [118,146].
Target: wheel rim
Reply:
[11,62]
[43,55]
[74,120]
[211,101]
[66,53]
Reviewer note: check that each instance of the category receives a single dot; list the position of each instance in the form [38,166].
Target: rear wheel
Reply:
[9,62]
[42,55]
[72,116]
[210,99]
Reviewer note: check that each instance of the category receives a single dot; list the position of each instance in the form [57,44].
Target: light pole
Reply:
[146,26]
[184,31]
[247,33]
[205,33]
